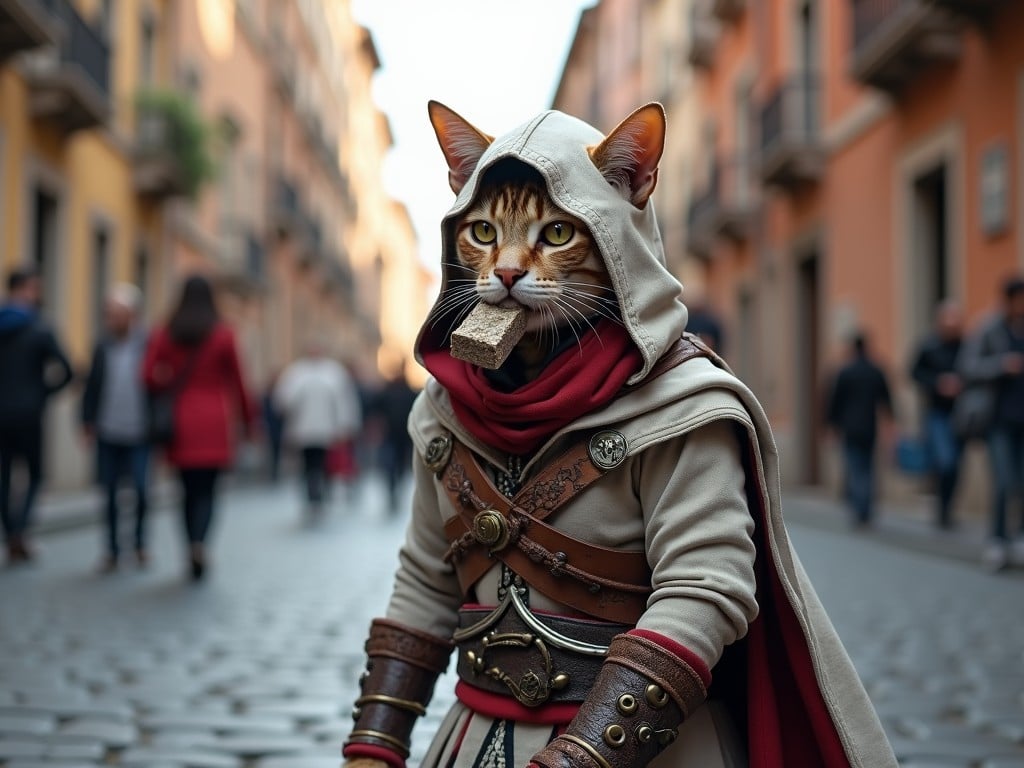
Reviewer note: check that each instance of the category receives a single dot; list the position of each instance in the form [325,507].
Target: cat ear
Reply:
[461,143]
[628,157]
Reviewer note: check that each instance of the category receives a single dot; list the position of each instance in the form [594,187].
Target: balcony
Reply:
[242,264]
[283,62]
[26,24]
[979,11]
[157,172]
[894,40]
[69,82]
[728,10]
[700,49]
[338,277]
[286,215]
[700,232]
[313,246]
[736,198]
[791,147]
[725,209]
[255,259]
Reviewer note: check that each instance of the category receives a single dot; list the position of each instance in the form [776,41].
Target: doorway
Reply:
[929,283]
[100,277]
[44,255]
[809,400]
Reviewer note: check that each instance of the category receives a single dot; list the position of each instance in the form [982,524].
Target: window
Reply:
[100,276]
[147,53]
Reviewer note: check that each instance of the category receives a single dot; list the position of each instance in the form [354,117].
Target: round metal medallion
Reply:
[607,449]
[491,529]
[438,452]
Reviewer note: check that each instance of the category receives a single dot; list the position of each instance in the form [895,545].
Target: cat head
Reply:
[515,246]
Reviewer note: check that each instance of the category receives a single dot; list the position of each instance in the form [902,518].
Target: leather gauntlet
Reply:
[402,666]
[641,696]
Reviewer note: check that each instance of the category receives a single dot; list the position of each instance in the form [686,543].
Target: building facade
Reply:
[624,54]
[857,161]
[285,211]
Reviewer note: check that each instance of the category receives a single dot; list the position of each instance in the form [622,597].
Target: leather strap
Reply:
[686,347]
[609,584]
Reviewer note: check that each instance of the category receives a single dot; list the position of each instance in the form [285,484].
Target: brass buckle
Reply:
[532,689]
[490,528]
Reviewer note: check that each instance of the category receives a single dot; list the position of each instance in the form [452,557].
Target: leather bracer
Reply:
[642,694]
[402,666]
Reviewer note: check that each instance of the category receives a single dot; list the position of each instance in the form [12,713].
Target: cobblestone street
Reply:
[257,666]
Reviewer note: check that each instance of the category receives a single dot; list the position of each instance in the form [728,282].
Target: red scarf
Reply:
[579,380]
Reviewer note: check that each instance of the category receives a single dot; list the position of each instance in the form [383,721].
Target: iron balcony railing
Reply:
[82,46]
[255,258]
[870,15]
[26,24]
[790,113]
[286,197]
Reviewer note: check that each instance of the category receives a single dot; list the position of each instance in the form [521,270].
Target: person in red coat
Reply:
[195,355]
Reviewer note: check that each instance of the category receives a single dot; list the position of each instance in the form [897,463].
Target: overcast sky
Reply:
[495,63]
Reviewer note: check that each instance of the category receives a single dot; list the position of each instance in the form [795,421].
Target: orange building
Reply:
[865,159]
[625,53]
[858,161]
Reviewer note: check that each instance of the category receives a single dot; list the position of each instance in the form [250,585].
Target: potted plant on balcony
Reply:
[176,147]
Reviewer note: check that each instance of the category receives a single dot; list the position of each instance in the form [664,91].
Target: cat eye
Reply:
[483,232]
[558,233]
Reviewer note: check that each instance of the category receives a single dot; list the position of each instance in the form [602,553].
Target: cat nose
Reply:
[509,275]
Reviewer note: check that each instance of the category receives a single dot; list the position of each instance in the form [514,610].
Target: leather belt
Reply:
[510,658]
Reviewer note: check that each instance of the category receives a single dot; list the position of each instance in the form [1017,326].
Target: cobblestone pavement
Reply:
[257,666]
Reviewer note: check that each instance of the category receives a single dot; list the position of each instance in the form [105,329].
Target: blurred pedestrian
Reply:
[703,321]
[32,368]
[114,416]
[934,369]
[273,427]
[320,405]
[859,393]
[994,358]
[391,406]
[195,357]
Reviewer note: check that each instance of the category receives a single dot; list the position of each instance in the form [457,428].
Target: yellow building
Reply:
[67,202]
[294,225]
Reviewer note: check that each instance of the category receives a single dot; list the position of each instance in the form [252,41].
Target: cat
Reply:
[518,248]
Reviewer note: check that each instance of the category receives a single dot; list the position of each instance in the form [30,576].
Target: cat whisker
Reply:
[459,317]
[457,266]
[568,318]
[599,305]
[461,304]
[454,301]
[564,305]
[552,327]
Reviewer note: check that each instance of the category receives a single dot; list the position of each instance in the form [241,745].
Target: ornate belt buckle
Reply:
[532,688]
[490,528]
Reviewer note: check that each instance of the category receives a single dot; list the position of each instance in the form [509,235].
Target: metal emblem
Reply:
[607,449]
[491,529]
[439,450]
[533,688]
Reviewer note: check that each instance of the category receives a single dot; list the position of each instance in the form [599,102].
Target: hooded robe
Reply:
[698,492]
